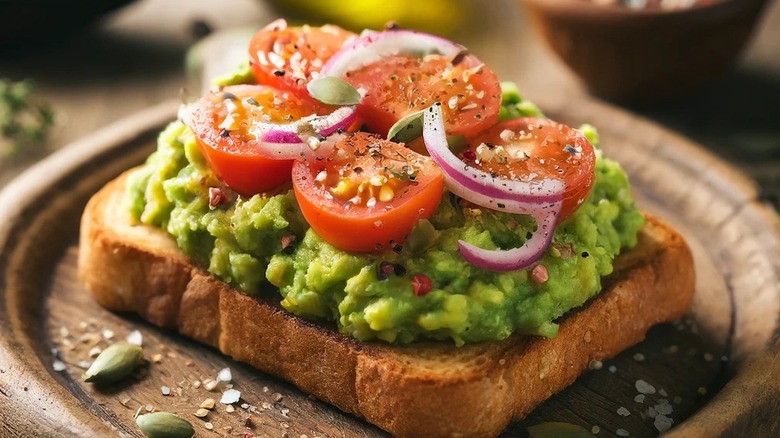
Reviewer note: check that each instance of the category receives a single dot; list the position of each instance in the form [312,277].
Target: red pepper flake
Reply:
[539,274]
[421,285]
[385,270]
[287,244]
[216,197]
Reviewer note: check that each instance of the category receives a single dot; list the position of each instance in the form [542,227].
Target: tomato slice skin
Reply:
[227,145]
[533,148]
[331,199]
[286,57]
[398,85]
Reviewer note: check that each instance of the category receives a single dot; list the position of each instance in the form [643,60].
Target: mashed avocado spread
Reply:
[264,239]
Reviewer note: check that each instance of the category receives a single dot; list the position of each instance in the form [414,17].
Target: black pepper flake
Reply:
[585,254]
[500,205]
[459,57]
[228,96]
[279,72]
[398,248]
[529,235]
[252,101]
[224,133]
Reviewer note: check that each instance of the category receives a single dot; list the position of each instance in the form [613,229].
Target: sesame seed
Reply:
[622,432]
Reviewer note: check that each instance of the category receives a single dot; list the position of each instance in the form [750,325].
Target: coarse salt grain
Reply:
[230,396]
[623,412]
[166,391]
[136,338]
[612,368]
[640,398]
[644,387]
[663,423]
[225,375]
[664,408]
[662,392]
[59,365]
[622,432]
[639,357]
[108,334]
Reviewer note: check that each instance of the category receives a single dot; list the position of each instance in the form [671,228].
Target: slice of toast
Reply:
[424,389]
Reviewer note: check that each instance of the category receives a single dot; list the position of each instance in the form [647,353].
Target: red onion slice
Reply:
[373,47]
[302,138]
[517,258]
[540,199]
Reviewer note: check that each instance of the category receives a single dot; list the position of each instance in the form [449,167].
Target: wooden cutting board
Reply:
[716,372]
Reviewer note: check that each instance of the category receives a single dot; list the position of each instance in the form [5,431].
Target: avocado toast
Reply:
[435,311]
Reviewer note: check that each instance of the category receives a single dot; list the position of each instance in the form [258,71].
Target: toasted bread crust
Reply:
[402,389]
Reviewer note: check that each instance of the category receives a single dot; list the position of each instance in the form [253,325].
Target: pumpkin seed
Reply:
[114,363]
[408,128]
[331,90]
[558,430]
[164,425]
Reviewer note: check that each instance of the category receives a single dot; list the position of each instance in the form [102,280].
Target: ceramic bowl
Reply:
[639,54]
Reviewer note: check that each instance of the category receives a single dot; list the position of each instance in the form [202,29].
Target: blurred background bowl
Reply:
[644,54]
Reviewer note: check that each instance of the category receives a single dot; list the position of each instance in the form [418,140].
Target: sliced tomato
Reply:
[532,149]
[398,85]
[285,57]
[222,122]
[368,194]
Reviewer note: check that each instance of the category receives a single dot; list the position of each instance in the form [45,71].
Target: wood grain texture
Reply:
[735,314]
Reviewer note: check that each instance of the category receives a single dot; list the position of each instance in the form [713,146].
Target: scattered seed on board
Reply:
[201,413]
[114,363]
[208,403]
[164,425]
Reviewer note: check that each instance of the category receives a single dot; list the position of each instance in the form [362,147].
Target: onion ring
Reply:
[541,199]
[373,47]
